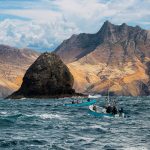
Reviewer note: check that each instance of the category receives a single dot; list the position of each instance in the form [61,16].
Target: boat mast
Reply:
[108,91]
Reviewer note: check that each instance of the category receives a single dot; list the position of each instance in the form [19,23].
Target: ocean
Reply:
[33,124]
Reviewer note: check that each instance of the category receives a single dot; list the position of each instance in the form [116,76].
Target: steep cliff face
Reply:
[114,58]
[47,77]
[13,64]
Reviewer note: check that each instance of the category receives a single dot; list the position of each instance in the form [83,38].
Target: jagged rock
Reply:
[47,77]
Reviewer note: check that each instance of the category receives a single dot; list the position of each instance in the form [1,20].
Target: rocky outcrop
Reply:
[47,77]
[13,64]
[116,54]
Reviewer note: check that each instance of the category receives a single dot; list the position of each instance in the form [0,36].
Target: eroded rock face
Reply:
[47,77]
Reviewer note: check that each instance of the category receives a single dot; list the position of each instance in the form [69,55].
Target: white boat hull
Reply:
[94,96]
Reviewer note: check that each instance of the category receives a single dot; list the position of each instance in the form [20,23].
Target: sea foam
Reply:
[51,116]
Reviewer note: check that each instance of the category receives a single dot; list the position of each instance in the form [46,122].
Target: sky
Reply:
[44,24]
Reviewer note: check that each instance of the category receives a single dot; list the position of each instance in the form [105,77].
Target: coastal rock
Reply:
[47,77]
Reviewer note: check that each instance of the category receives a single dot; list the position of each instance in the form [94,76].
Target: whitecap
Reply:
[3,113]
[82,137]
[51,116]
[98,126]
[23,98]
[136,148]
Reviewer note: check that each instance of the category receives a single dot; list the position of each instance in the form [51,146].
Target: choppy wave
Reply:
[47,124]
[3,113]
[51,116]
[137,148]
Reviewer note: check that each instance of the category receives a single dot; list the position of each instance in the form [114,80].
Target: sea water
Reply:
[33,124]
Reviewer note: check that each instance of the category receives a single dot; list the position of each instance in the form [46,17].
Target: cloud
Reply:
[37,35]
[90,15]
[46,23]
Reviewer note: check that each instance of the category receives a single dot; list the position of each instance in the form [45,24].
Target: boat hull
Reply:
[101,112]
[82,104]
[94,96]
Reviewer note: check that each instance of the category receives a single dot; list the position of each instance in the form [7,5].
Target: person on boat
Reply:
[73,102]
[94,108]
[77,101]
[108,109]
[88,100]
[114,110]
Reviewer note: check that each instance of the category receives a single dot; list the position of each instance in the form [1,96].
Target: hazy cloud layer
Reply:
[44,24]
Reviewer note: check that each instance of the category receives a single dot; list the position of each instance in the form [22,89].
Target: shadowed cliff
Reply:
[47,77]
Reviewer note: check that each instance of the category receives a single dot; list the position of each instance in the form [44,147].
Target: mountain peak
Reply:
[106,25]
[80,45]
[114,33]
[106,33]
[124,25]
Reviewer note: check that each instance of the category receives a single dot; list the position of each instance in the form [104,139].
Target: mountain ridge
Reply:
[116,53]
[13,64]
[116,58]
[80,45]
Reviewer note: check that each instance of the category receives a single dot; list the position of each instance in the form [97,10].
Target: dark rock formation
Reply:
[47,77]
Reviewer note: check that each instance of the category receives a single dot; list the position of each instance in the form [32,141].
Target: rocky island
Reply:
[47,77]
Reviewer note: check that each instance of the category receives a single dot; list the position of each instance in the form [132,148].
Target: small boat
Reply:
[94,96]
[87,103]
[101,112]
